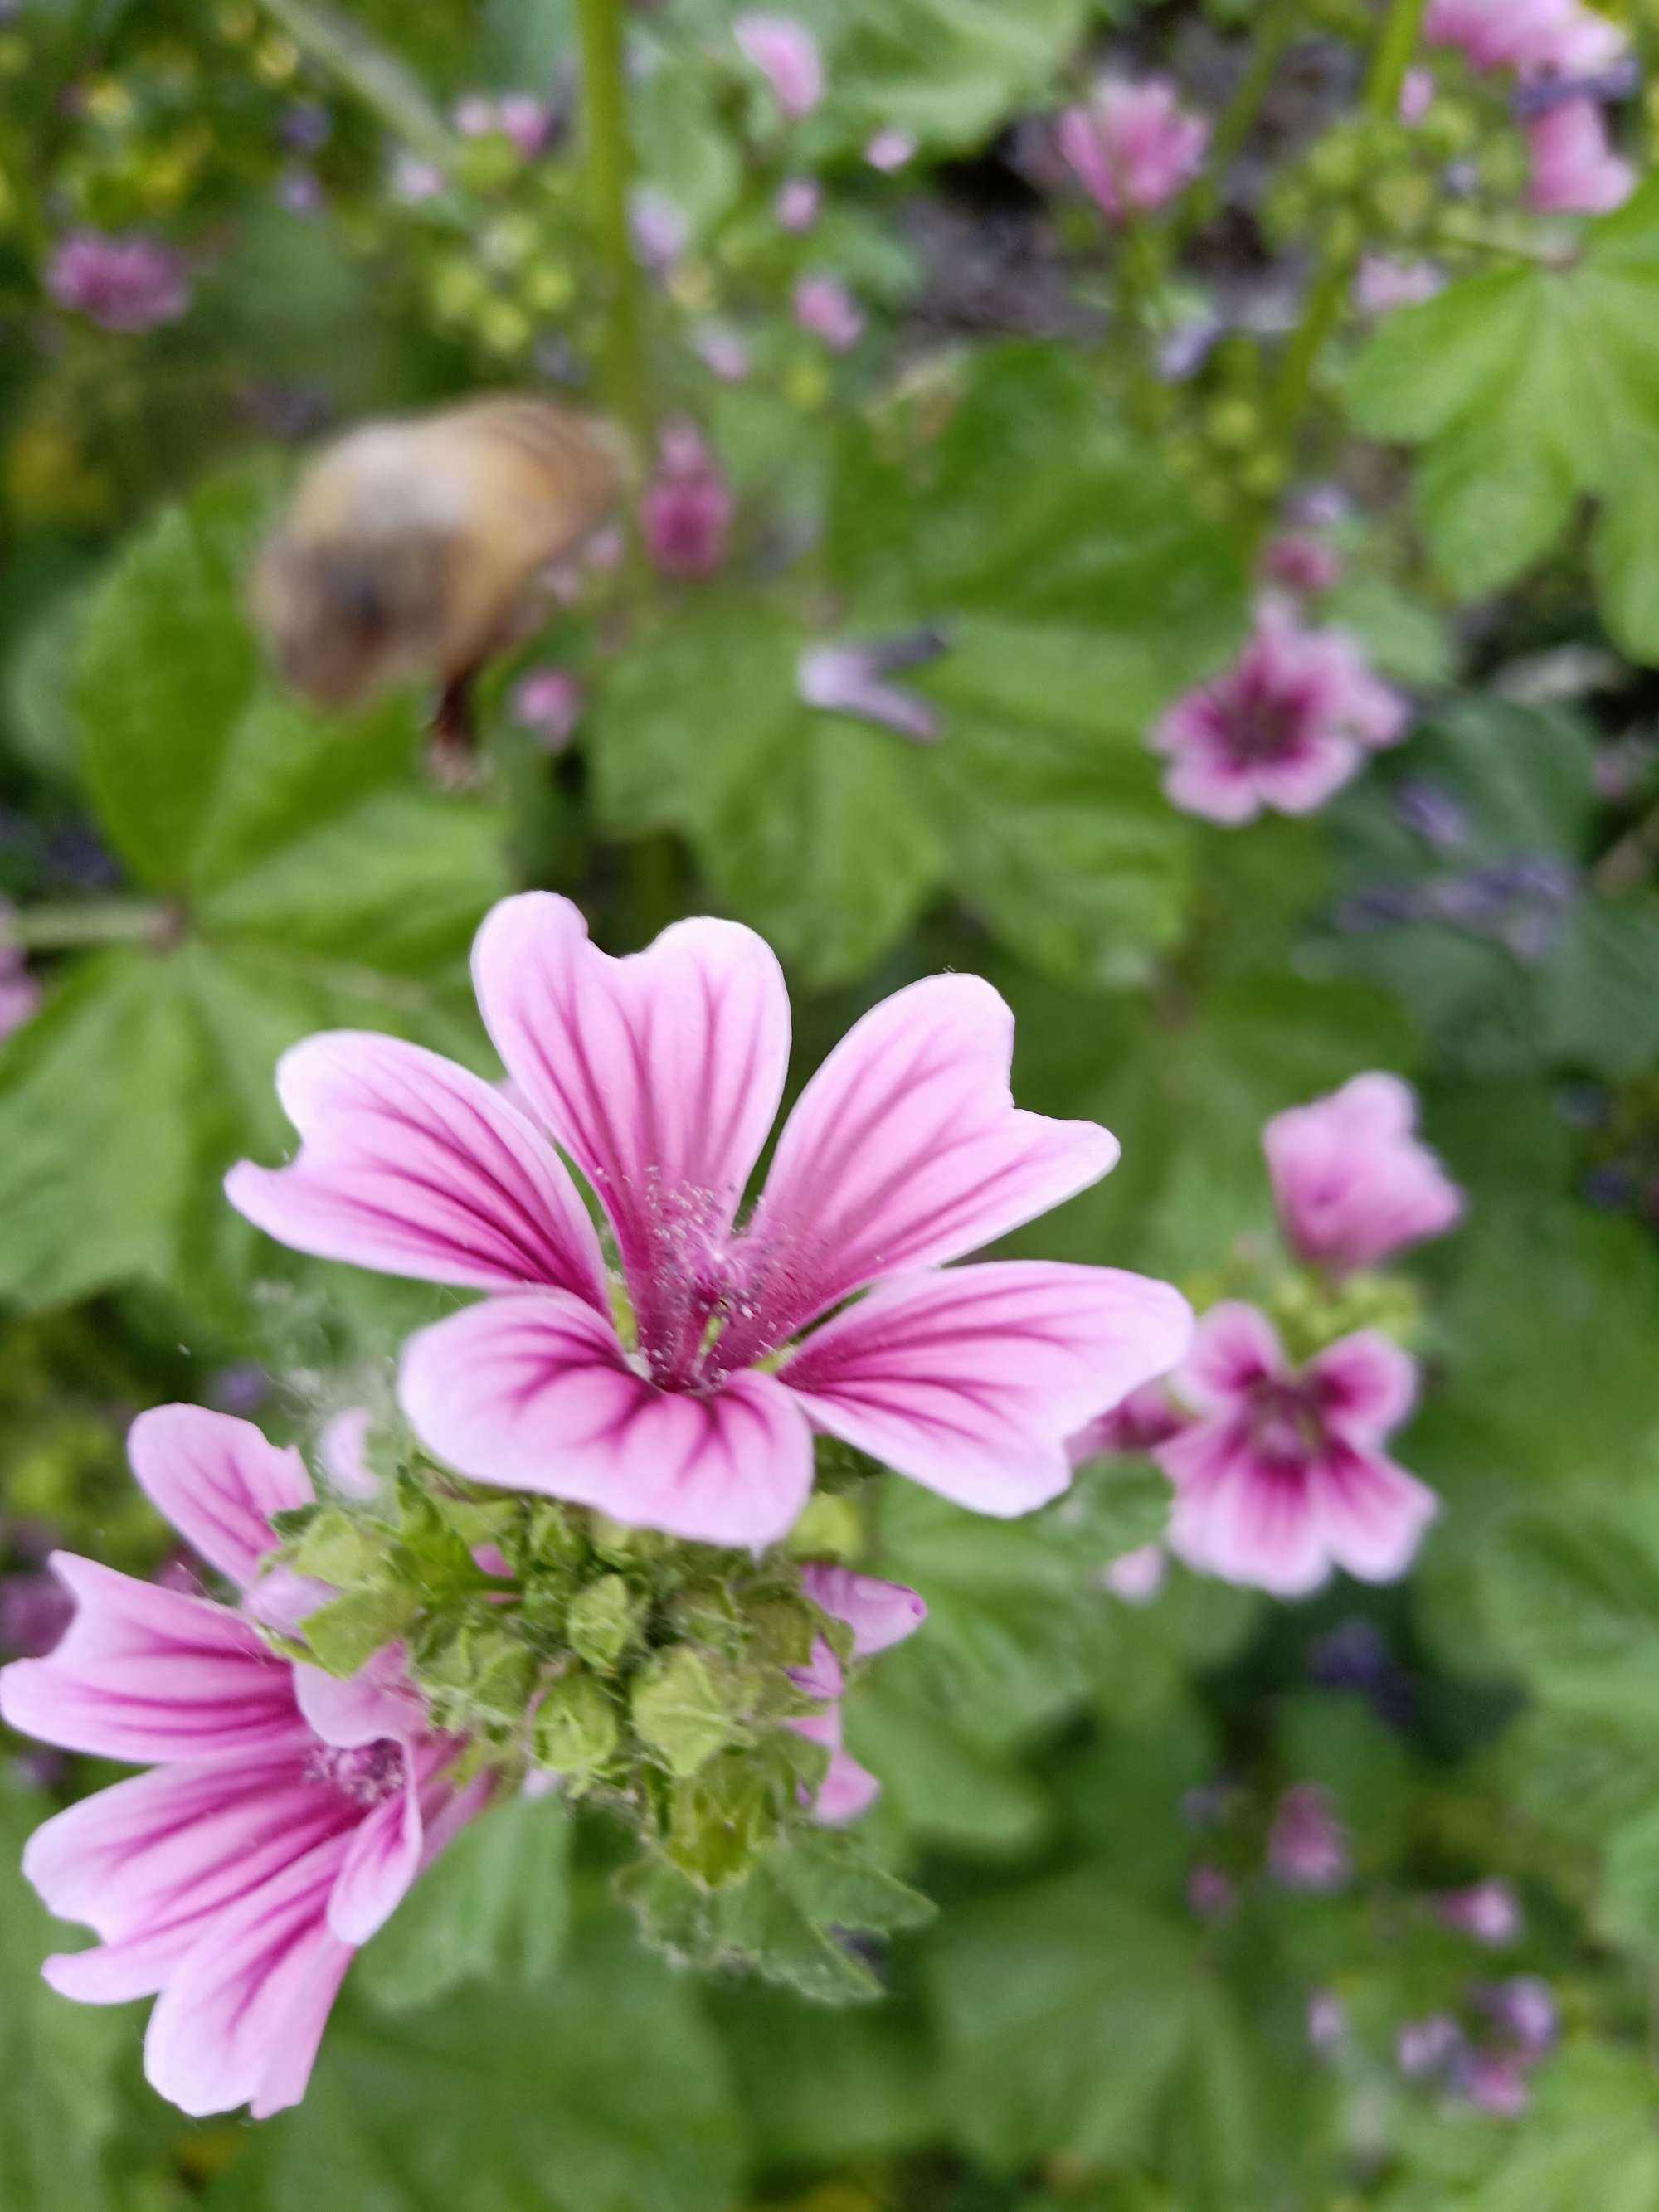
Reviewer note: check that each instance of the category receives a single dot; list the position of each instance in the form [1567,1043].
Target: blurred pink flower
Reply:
[891,150]
[1146,1419]
[1416,94]
[20,994]
[1302,562]
[1495,2081]
[415,180]
[1282,1476]
[823,306]
[787,55]
[879,1614]
[129,283]
[1328,2021]
[1307,1844]
[548,703]
[686,512]
[1138,1577]
[1285,727]
[659,1075]
[798,202]
[723,353]
[1352,1183]
[1575,170]
[527,121]
[1134,147]
[1384,282]
[1428,2046]
[1490,1911]
[1212,1892]
[287,1814]
[659,228]
[853,679]
[342,1451]
[1560,37]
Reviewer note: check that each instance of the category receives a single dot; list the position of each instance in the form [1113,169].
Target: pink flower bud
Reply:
[1384,283]
[1211,1894]
[687,512]
[1307,1846]
[1353,1183]
[787,55]
[798,202]
[1575,170]
[130,284]
[723,353]
[548,703]
[1489,1912]
[1138,1577]
[889,150]
[823,306]
[1134,147]
[1303,564]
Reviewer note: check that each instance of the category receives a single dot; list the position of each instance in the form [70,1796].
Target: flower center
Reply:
[366,1774]
[1262,727]
[1284,1426]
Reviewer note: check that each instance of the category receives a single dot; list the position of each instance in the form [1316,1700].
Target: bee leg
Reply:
[452,739]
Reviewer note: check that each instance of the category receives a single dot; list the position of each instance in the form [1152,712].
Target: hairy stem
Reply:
[604,104]
[102,922]
[1396,43]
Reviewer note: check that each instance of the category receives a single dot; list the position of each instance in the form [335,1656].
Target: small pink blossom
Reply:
[1490,1911]
[548,703]
[1352,1181]
[1283,728]
[1302,562]
[528,122]
[1494,2082]
[879,1614]
[1144,1419]
[659,228]
[1212,1892]
[687,511]
[1575,170]
[659,1075]
[342,1451]
[1282,1476]
[1384,282]
[130,284]
[723,353]
[1134,147]
[1138,1577]
[1416,95]
[823,306]
[1529,36]
[414,181]
[1524,2007]
[787,55]
[798,203]
[853,679]
[286,1815]
[1307,1844]
[889,150]
[20,994]
[1327,2022]
[1428,2046]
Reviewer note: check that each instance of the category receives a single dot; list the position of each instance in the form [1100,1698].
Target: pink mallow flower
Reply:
[1307,1844]
[659,1075]
[1529,36]
[879,1614]
[1575,170]
[548,703]
[687,510]
[1490,1911]
[1352,1181]
[889,150]
[1303,563]
[131,284]
[787,55]
[824,306]
[286,1814]
[1134,147]
[1285,727]
[1282,1476]
[798,204]
[1384,282]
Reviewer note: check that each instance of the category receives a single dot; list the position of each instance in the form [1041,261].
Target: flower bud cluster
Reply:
[661,1679]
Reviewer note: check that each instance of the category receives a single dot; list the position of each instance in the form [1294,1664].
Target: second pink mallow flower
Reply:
[1282,1476]
[1134,147]
[879,1614]
[659,1075]
[1283,728]
[1352,1181]
[287,1814]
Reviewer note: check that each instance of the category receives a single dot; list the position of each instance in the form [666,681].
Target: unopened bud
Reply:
[576,1729]
[679,1711]
[604,1620]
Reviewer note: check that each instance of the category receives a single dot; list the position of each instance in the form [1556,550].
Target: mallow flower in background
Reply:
[823,307]
[1282,1476]
[1133,148]
[659,1075]
[687,509]
[879,1614]
[787,55]
[130,284]
[1352,1181]
[1283,728]
[286,1813]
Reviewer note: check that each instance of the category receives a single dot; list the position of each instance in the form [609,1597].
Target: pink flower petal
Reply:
[971,1381]
[218,1481]
[1234,1519]
[847,1789]
[412,1166]
[148,1862]
[878,1614]
[381,1860]
[1371,1513]
[658,1073]
[906,1148]
[1365,1385]
[241,2021]
[535,1393]
[1236,1346]
[147,1674]
[374,1705]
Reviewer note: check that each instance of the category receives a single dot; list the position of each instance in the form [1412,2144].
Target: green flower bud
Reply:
[1405,203]
[604,1620]
[679,1710]
[831,1527]
[344,1637]
[340,1548]
[1233,423]
[576,1729]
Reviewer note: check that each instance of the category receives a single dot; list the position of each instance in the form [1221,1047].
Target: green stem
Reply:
[337,46]
[1277,32]
[109,921]
[1396,43]
[610,165]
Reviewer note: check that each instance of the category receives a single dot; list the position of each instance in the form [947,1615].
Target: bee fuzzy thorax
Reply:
[411,547]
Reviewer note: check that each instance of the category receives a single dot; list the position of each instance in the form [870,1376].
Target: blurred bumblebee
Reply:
[414,548]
